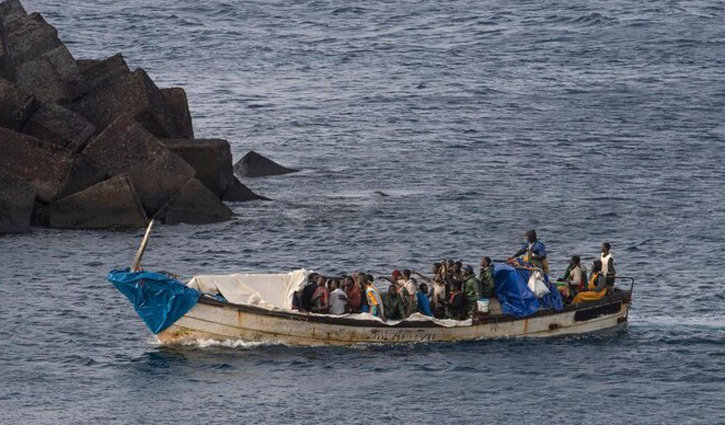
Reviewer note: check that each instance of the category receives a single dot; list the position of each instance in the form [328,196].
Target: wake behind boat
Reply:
[259,308]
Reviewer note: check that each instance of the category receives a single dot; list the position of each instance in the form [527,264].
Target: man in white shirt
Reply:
[338,298]
[608,264]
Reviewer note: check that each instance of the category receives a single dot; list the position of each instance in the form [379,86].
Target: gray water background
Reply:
[587,121]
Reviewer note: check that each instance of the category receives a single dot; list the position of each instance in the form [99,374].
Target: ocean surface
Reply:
[589,121]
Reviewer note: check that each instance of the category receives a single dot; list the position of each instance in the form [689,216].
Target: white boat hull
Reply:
[219,321]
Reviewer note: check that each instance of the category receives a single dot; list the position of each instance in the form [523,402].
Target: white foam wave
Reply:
[229,343]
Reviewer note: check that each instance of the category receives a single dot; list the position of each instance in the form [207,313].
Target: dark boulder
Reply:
[11,7]
[6,66]
[16,203]
[179,107]
[16,106]
[126,147]
[211,159]
[97,73]
[194,204]
[255,165]
[133,94]
[237,192]
[52,77]
[52,170]
[56,124]
[111,204]
[29,36]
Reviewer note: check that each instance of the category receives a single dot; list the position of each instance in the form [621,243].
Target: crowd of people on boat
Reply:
[453,291]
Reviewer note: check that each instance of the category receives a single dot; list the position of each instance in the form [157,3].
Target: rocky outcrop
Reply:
[238,192]
[67,126]
[210,158]
[56,124]
[194,204]
[125,147]
[53,171]
[98,73]
[256,165]
[16,106]
[39,62]
[136,95]
[110,204]
[16,203]
[179,107]
[27,35]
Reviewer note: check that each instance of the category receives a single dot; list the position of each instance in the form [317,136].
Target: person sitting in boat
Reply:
[438,291]
[457,273]
[597,287]
[396,278]
[308,291]
[373,298]
[423,301]
[485,278]
[411,289]
[534,252]
[354,296]
[321,297]
[456,304]
[574,279]
[361,281]
[608,264]
[470,290]
[338,298]
[394,304]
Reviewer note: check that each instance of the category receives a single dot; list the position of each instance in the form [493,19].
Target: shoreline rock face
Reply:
[237,192]
[90,143]
[255,165]
[110,204]
[52,170]
[210,158]
[16,204]
[194,204]
[56,124]
[125,147]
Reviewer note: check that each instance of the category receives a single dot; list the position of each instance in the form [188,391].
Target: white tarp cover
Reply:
[262,290]
[275,291]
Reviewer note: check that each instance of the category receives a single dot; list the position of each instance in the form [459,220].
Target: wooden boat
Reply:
[212,318]
[217,320]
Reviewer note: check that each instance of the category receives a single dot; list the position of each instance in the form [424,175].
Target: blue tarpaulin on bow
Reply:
[515,296]
[158,299]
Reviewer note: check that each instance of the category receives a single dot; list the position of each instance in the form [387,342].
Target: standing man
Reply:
[608,264]
[470,290]
[485,278]
[534,251]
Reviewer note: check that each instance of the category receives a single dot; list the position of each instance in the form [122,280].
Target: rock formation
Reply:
[256,165]
[16,203]
[110,204]
[90,143]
